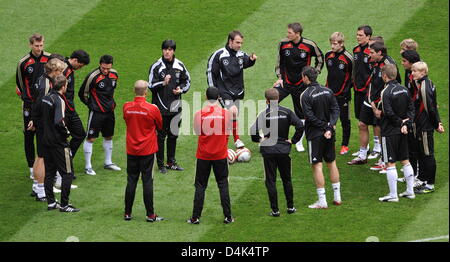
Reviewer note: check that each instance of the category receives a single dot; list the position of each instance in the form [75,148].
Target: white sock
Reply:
[87,148]
[31,171]
[408,172]
[58,179]
[337,191]
[322,196]
[40,190]
[391,174]
[376,144]
[108,146]
[34,186]
[363,152]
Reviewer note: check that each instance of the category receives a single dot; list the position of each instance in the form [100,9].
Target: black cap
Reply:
[168,44]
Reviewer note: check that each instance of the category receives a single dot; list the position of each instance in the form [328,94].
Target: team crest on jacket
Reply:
[287,52]
[241,61]
[341,66]
[366,59]
[177,74]
[225,62]
[356,57]
[303,55]
[101,85]
[30,69]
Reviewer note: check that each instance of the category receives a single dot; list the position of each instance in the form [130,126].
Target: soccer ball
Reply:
[231,156]
[243,155]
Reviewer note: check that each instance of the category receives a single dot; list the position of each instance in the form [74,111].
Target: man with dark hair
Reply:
[321,111]
[77,60]
[97,92]
[378,58]
[409,57]
[396,114]
[168,80]
[57,155]
[294,53]
[340,69]
[142,120]
[225,71]
[29,69]
[361,72]
[213,126]
[275,147]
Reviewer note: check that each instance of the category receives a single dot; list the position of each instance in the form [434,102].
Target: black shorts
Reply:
[394,148]
[367,116]
[425,143]
[227,99]
[101,122]
[358,101]
[320,148]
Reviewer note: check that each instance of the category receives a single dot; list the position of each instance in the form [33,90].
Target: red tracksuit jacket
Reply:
[142,120]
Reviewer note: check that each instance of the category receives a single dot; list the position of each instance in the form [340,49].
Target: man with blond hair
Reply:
[142,120]
[339,64]
[29,69]
[408,44]
[54,67]
[427,120]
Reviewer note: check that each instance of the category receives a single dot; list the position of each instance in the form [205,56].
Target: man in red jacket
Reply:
[213,124]
[142,120]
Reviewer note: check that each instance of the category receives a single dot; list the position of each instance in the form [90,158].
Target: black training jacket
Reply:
[28,71]
[427,114]
[340,69]
[376,82]
[41,88]
[55,132]
[97,90]
[70,92]
[320,108]
[163,96]
[396,105]
[225,70]
[361,72]
[292,58]
[274,122]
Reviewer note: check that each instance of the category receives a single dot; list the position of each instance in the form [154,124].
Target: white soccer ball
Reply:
[231,156]
[243,154]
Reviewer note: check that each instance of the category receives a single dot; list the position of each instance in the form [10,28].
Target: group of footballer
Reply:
[403,117]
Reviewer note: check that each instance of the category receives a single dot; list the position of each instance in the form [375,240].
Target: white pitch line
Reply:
[429,239]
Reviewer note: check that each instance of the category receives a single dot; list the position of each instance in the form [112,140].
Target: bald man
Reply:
[142,120]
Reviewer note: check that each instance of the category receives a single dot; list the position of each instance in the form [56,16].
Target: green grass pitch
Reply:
[132,31]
